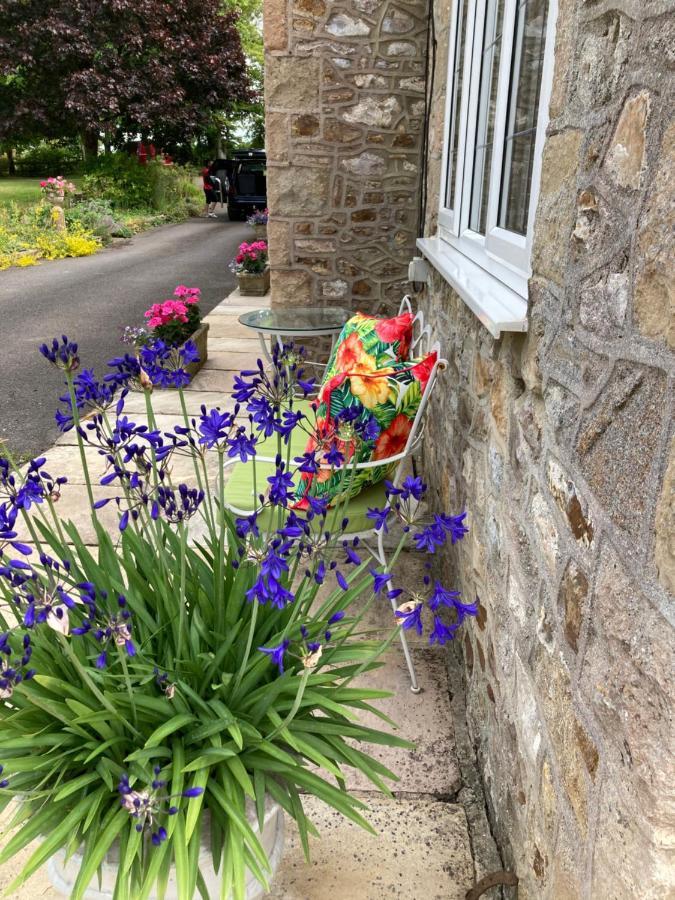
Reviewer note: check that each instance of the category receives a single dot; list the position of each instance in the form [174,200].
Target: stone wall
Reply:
[559,443]
[344,96]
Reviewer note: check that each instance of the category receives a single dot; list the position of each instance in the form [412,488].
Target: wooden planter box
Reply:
[254,284]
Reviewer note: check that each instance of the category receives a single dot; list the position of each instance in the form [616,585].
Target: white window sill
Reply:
[496,306]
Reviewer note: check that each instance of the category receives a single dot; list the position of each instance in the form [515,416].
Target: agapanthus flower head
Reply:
[108,630]
[151,804]
[63,354]
[164,364]
[215,427]
[14,669]
[177,505]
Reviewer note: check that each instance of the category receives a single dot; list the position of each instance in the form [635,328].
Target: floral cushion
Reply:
[362,414]
[370,343]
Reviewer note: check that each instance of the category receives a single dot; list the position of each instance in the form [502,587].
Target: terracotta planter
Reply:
[62,872]
[254,284]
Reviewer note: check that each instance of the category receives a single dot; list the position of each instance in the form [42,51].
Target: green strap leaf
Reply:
[167,728]
[96,855]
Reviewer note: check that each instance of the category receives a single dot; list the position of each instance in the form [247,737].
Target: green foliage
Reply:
[119,180]
[96,216]
[49,158]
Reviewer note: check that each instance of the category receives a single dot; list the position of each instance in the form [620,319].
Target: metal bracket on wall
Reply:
[492,880]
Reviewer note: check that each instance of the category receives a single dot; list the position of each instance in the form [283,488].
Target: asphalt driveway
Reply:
[91,299]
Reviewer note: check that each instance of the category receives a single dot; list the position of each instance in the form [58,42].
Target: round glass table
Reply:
[295,322]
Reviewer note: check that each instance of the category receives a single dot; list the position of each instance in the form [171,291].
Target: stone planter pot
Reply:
[254,284]
[260,232]
[200,339]
[63,873]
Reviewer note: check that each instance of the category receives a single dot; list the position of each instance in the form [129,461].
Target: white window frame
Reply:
[498,263]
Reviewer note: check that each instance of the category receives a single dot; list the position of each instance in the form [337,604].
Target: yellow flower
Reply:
[370,385]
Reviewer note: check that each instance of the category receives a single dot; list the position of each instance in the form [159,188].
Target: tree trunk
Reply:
[11,167]
[89,145]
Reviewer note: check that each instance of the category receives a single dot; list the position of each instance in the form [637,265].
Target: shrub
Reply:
[47,157]
[97,217]
[122,182]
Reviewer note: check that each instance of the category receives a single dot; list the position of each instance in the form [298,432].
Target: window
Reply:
[499,80]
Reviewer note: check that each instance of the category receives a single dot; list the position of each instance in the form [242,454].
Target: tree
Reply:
[155,67]
[246,118]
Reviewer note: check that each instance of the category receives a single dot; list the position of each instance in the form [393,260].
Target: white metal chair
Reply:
[239,485]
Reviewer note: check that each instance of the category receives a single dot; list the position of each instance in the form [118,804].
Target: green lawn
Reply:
[21,190]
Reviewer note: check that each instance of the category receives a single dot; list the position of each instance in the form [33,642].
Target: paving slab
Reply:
[236,298]
[425,719]
[421,852]
[228,326]
[229,361]
[238,345]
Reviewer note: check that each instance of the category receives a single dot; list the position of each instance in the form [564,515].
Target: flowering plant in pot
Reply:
[172,324]
[55,190]
[251,266]
[258,222]
[164,698]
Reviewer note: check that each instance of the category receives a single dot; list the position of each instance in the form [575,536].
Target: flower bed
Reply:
[29,234]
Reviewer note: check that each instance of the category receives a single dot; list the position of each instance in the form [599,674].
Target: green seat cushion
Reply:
[239,493]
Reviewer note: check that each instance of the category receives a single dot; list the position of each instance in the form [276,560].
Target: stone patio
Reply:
[423,848]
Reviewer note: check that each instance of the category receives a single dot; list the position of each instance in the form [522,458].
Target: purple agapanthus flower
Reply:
[379,518]
[276,654]
[214,426]
[62,354]
[442,633]
[454,525]
[380,580]
[281,486]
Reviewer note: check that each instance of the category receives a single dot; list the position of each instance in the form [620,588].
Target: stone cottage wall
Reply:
[344,96]
[560,445]
[559,442]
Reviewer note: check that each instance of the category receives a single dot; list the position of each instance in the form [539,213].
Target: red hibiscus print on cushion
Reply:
[350,353]
[422,371]
[394,439]
[397,329]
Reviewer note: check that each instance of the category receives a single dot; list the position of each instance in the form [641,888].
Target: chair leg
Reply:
[414,687]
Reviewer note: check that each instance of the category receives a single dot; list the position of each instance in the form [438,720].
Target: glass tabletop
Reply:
[323,319]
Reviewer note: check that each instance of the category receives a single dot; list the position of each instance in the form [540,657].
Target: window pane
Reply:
[521,121]
[456,105]
[487,97]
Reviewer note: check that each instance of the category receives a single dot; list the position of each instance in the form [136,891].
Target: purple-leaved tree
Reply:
[158,67]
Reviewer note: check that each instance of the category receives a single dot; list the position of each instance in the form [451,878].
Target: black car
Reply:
[247,182]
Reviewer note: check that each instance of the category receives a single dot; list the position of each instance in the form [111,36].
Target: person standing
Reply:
[210,197]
